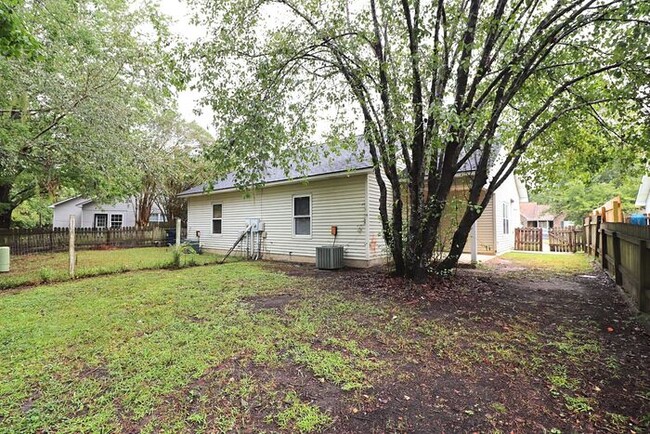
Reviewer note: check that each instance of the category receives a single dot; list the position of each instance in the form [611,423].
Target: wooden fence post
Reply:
[603,248]
[178,232]
[644,276]
[597,248]
[618,276]
[71,251]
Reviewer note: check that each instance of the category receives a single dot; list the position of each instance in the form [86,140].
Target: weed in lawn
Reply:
[499,408]
[578,404]
[300,416]
[576,347]
[619,421]
[330,366]
[613,366]
[560,380]
[225,421]
[197,419]
[46,274]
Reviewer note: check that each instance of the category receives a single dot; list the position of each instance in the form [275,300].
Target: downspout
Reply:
[367,217]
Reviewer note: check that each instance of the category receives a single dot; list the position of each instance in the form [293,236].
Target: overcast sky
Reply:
[187,100]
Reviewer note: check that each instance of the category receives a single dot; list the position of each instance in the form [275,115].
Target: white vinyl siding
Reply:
[62,212]
[124,209]
[507,196]
[338,201]
[85,216]
[376,243]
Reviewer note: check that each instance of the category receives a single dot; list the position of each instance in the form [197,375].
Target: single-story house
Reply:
[495,228]
[643,196]
[534,215]
[91,214]
[339,195]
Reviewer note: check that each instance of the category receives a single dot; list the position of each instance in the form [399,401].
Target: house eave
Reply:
[644,191]
[344,173]
[64,201]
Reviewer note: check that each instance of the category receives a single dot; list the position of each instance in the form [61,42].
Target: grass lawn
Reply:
[570,263]
[243,347]
[53,267]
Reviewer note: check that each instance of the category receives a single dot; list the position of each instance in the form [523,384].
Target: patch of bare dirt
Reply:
[429,396]
[276,302]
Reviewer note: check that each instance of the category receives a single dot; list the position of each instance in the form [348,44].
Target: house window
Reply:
[506,218]
[156,217]
[116,221]
[302,215]
[217,218]
[101,221]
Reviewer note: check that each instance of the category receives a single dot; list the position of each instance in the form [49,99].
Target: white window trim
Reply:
[293,216]
[110,220]
[505,209]
[212,219]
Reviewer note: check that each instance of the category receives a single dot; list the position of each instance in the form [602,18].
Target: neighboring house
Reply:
[90,214]
[643,196]
[534,215]
[298,213]
[495,228]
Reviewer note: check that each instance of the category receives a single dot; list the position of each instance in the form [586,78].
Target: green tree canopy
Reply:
[68,116]
[433,84]
[169,161]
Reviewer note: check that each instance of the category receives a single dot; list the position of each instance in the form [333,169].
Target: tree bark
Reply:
[6,206]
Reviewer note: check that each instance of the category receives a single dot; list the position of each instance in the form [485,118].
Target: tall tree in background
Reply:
[588,158]
[15,38]
[169,161]
[435,83]
[68,114]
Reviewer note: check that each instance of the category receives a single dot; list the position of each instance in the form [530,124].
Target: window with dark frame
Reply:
[302,215]
[101,221]
[217,218]
[116,221]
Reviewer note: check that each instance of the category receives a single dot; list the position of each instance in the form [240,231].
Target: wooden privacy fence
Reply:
[26,241]
[529,239]
[569,239]
[623,251]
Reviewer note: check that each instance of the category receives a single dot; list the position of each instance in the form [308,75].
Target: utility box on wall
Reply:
[329,257]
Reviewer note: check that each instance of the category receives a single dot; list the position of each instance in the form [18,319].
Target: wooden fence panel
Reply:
[569,239]
[37,240]
[624,254]
[528,239]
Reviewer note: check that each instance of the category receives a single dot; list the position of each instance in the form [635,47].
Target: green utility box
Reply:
[4,259]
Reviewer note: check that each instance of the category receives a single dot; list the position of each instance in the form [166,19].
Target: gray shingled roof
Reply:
[343,161]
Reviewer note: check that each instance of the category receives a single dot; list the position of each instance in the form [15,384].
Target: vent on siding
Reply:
[329,257]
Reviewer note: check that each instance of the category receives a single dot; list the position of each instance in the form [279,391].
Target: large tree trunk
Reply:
[144,203]
[6,206]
